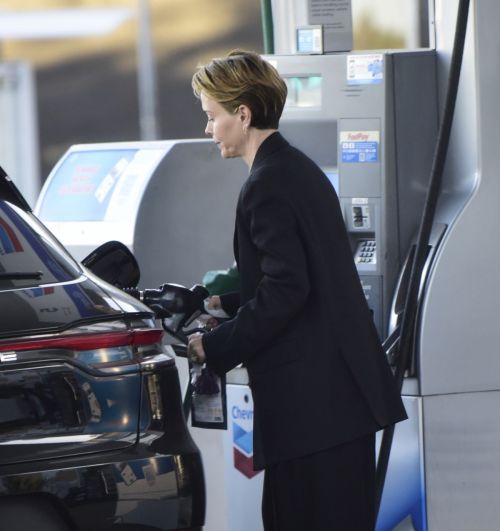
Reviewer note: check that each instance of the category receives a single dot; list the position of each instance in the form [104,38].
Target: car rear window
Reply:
[29,254]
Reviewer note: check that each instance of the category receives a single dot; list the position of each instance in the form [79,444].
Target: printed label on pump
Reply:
[242,432]
[365,69]
[359,146]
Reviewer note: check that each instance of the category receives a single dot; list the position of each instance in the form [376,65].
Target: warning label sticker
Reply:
[365,69]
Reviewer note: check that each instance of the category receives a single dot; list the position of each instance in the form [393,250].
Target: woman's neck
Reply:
[255,139]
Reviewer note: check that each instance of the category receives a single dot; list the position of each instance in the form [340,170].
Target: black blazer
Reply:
[318,374]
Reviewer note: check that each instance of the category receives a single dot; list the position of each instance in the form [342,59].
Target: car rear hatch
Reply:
[72,393]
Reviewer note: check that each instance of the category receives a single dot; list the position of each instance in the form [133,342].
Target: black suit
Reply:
[318,374]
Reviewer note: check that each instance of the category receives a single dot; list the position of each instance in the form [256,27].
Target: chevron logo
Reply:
[243,451]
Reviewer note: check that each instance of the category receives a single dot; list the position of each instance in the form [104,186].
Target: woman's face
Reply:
[226,129]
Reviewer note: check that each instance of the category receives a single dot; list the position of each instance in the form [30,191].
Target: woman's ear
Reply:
[245,115]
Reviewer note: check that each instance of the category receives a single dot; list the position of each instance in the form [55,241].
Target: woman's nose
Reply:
[208,129]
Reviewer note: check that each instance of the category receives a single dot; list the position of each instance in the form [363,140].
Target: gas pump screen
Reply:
[303,91]
[83,184]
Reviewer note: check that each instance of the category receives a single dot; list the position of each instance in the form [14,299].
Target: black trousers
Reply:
[333,490]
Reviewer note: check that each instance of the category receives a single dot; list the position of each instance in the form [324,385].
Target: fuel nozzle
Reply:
[172,299]
[200,292]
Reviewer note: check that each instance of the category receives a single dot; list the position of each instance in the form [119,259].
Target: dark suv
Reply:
[92,431]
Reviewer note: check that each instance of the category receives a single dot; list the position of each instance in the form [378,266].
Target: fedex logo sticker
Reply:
[242,427]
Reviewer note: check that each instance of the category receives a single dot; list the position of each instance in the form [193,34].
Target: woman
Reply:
[320,380]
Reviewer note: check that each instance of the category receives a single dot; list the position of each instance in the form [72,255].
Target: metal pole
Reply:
[146,75]
[423,24]
[267,25]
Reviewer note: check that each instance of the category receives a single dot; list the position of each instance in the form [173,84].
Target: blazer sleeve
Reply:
[230,302]
[272,225]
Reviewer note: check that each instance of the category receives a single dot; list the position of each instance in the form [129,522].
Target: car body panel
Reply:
[55,409]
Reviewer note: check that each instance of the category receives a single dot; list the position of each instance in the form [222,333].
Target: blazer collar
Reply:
[271,144]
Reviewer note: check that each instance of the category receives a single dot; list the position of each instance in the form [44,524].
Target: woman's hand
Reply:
[213,306]
[195,350]
[214,303]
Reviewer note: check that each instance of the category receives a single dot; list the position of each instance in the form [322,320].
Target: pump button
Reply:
[366,253]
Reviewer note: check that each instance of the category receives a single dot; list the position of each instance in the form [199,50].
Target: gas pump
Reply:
[370,121]
[162,199]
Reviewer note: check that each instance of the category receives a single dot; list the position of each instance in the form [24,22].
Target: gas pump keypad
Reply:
[366,253]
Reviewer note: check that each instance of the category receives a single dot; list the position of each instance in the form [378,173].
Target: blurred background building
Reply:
[87,87]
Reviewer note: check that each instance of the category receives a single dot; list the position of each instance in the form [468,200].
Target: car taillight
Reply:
[109,352]
[95,341]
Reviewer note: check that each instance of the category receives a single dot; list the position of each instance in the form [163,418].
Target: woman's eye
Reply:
[210,119]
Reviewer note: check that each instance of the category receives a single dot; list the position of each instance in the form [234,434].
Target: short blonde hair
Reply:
[244,78]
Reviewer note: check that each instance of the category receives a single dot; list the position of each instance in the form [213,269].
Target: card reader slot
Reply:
[361,218]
